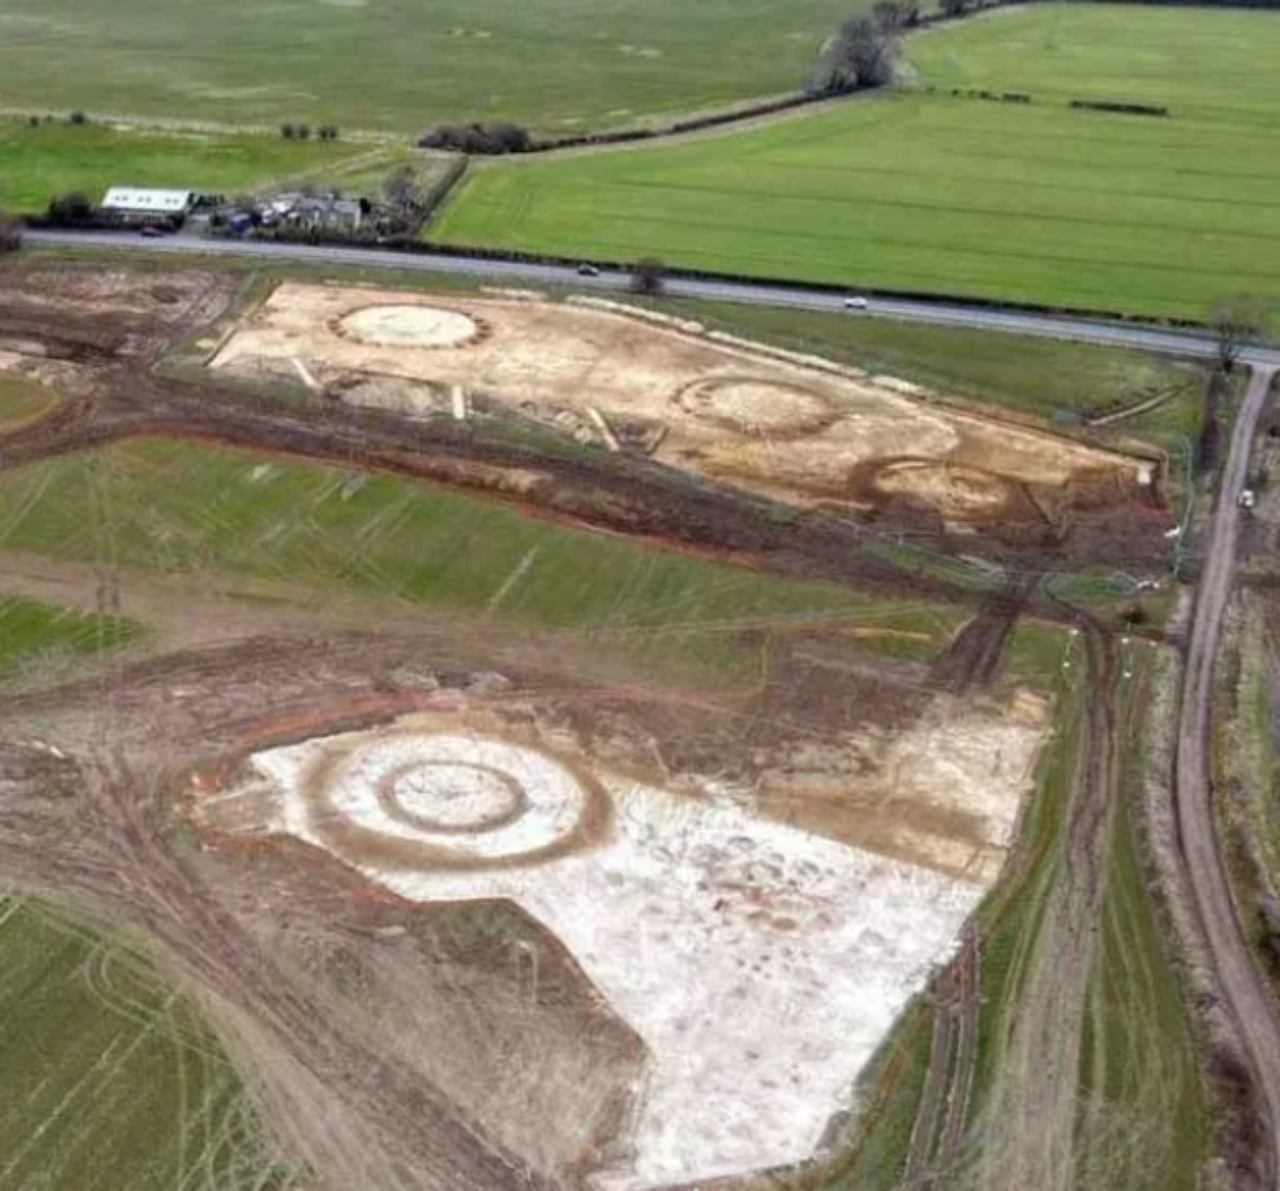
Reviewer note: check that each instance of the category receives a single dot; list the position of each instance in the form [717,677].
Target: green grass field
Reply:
[182,507]
[933,193]
[1143,1121]
[111,1079]
[33,634]
[37,163]
[1176,57]
[403,65]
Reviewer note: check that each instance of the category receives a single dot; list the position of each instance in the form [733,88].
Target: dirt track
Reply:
[1245,992]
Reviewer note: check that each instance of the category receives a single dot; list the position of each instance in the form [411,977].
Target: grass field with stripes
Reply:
[942,193]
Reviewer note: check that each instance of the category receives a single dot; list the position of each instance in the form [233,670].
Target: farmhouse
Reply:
[140,202]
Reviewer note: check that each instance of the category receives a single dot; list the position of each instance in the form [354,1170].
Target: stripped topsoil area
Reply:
[363,1013]
[528,457]
[287,812]
[797,429]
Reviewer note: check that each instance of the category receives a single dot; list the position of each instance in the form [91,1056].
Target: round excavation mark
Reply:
[409,326]
[751,405]
[452,800]
[452,796]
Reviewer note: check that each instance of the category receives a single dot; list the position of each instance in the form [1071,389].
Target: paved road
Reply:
[1247,998]
[954,314]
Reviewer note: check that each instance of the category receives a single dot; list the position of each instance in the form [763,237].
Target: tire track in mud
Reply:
[938,1135]
[1029,1125]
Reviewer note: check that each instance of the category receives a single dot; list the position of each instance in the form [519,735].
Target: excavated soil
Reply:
[805,433]
[379,848]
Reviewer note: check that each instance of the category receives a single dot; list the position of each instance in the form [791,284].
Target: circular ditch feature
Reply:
[450,800]
[410,326]
[757,405]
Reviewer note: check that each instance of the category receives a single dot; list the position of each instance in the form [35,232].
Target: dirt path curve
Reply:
[1246,997]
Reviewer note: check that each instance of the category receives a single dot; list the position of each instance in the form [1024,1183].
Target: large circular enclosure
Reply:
[754,405]
[448,800]
[409,326]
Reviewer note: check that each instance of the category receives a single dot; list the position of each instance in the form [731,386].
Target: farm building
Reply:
[140,202]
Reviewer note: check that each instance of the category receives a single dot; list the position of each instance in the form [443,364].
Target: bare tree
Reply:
[1236,322]
[402,190]
[70,210]
[895,15]
[863,55]
[648,276]
[10,233]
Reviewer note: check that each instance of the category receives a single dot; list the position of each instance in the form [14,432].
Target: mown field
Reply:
[402,65]
[1213,64]
[935,193]
[37,163]
[111,1078]
[35,635]
[181,507]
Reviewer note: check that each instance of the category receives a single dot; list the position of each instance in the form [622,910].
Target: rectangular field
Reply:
[40,162]
[184,507]
[1176,57]
[403,65]
[934,193]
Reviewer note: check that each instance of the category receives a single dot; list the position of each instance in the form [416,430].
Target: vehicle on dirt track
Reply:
[855,303]
[588,270]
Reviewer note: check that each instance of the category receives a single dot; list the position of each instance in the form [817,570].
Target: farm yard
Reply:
[53,159]
[1034,202]
[551,64]
[464,759]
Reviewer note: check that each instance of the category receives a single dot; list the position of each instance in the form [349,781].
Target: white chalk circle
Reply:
[466,798]
[409,326]
[452,796]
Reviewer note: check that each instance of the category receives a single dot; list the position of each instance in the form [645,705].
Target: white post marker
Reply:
[305,373]
[610,439]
